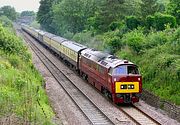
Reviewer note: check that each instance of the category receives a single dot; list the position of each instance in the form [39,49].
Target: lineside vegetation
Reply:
[21,91]
[143,31]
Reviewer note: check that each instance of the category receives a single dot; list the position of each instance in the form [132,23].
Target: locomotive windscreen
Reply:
[125,69]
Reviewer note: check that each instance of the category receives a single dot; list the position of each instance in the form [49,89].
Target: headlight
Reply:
[131,86]
[123,86]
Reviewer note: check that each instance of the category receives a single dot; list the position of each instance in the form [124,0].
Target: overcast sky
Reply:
[21,5]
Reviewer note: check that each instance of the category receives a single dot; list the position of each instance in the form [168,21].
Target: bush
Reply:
[112,41]
[162,20]
[150,21]
[20,83]
[11,44]
[115,25]
[156,38]
[6,22]
[135,40]
[132,22]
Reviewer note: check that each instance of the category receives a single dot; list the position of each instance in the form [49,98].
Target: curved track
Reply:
[88,108]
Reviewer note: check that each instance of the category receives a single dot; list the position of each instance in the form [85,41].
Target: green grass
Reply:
[21,85]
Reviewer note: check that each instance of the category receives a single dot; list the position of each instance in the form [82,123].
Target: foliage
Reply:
[174,9]
[9,12]
[148,7]
[72,19]
[5,21]
[115,25]
[144,31]
[27,13]
[150,21]
[35,24]
[162,20]
[135,40]
[159,60]
[113,41]
[132,22]
[87,38]
[11,45]
[21,91]
[44,15]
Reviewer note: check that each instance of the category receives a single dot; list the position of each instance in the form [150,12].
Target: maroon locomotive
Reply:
[118,79]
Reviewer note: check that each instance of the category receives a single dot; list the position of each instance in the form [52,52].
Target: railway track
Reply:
[88,108]
[138,116]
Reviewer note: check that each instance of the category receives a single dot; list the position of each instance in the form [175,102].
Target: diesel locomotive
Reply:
[118,79]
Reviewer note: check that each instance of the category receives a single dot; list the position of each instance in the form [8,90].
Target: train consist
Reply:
[118,79]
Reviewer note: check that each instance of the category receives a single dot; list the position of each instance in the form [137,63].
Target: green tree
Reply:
[148,7]
[174,9]
[162,20]
[45,15]
[27,13]
[9,12]
[72,15]
[132,22]
[6,22]
[111,11]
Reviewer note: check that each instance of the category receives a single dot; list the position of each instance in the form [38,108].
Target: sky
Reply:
[21,5]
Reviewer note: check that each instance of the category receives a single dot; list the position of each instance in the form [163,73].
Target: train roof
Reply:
[49,35]
[104,59]
[59,39]
[41,32]
[74,46]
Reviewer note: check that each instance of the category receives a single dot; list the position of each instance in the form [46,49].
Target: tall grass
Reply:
[21,85]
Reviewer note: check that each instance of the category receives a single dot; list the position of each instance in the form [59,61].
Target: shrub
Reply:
[135,40]
[132,22]
[156,38]
[150,21]
[115,25]
[162,20]
[11,44]
[112,41]
[6,22]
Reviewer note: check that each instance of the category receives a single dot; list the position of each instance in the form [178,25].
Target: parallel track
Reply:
[88,108]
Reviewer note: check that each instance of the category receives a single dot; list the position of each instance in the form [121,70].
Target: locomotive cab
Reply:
[127,83]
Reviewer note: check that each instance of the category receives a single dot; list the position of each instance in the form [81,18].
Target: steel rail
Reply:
[89,109]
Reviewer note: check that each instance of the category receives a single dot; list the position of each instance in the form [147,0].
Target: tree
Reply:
[6,22]
[159,21]
[111,11]
[148,7]
[9,12]
[174,9]
[132,22]
[72,15]
[27,13]
[45,15]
